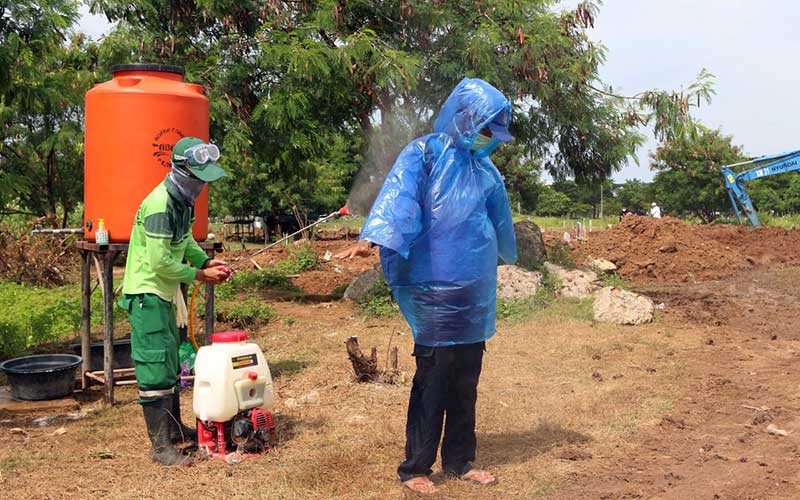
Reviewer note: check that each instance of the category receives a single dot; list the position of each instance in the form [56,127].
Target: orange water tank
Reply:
[132,122]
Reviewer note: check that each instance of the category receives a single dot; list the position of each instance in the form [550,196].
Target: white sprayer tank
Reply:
[231,376]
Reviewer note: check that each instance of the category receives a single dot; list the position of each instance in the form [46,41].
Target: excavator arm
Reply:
[765,167]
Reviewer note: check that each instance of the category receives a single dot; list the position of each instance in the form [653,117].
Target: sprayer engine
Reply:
[232,391]
[249,432]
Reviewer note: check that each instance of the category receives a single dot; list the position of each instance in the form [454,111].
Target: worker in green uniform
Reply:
[160,241]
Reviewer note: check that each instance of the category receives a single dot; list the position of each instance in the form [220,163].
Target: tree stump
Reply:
[366,368]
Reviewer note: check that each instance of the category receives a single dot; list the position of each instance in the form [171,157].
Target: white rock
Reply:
[575,284]
[771,429]
[517,283]
[617,306]
[603,265]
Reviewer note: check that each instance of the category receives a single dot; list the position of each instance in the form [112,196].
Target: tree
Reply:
[552,202]
[335,84]
[46,70]
[634,195]
[689,179]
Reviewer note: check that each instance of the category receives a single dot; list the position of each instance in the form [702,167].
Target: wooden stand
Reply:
[91,254]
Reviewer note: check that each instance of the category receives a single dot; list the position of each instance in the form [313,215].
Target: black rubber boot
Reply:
[180,433]
[158,418]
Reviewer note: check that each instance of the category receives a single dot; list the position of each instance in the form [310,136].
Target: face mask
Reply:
[187,185]
[480,142]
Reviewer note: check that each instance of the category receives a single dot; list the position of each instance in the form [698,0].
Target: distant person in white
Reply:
[655,211]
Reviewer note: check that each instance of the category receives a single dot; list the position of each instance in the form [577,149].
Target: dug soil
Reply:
[670,250]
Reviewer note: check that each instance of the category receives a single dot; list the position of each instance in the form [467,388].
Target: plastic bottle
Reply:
[101,235]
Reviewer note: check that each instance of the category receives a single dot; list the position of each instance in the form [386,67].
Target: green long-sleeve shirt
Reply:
[160,240]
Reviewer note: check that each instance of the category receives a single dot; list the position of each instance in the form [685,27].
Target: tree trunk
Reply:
[366,368]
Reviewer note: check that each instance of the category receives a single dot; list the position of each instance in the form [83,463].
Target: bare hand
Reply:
[214,263]
[212,275]
[360,249]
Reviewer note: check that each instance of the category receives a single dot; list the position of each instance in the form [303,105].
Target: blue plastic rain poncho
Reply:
[442,218]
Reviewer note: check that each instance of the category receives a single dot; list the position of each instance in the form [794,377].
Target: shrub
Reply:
[33,315]
[560,255]
[379,303]
[250,313]
[301,259]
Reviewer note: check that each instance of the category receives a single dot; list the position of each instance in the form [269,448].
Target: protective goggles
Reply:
[199,154]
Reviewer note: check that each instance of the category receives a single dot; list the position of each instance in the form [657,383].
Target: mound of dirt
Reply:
[670,250]
[663,249]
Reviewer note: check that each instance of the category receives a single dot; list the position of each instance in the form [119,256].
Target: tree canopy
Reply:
[304,94]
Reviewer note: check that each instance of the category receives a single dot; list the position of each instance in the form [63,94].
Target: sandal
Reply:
[478,476]
[422,485]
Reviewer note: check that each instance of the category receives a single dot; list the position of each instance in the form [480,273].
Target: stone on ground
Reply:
[362,285]
[620,307]
[602,265]
[531,252]
[514,282]
[575,284]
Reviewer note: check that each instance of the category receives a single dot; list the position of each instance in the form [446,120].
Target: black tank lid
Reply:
[163,68]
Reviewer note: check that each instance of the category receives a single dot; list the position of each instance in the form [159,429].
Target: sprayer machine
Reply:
[232,396]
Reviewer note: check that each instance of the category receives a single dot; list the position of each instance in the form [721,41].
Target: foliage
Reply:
[379,302]
[46,70]
[560,254]
[275,277]
[301,259]
[689,179]
[552,202]
[249,313]
[256,280]
[303,93]
[613,280]
[635,195]
[33,315]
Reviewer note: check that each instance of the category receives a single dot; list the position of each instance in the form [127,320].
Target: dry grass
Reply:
[537,398]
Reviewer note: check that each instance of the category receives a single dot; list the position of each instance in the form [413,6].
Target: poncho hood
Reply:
[471,106]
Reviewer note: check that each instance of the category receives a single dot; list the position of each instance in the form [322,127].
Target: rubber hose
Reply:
[191,317]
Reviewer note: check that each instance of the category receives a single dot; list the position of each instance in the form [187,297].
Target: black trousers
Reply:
[444,390]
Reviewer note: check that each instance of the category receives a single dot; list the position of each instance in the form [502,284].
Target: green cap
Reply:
[208,172]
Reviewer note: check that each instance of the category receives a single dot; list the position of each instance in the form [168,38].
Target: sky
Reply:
[751,47]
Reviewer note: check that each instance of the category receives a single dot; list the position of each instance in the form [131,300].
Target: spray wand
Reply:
[342,211]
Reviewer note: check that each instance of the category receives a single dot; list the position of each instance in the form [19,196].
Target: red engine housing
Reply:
[216,440]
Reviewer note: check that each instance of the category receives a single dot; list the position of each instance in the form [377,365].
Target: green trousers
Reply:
[154,345]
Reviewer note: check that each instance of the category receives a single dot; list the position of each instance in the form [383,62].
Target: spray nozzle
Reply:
[344,210]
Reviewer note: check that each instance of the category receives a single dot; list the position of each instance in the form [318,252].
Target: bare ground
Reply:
[568,409]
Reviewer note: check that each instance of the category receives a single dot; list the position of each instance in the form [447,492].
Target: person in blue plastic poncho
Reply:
[441,220]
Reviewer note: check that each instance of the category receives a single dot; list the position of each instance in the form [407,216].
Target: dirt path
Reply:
[713,444]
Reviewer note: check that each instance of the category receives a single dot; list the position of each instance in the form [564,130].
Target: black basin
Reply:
[44,376]
[122,354]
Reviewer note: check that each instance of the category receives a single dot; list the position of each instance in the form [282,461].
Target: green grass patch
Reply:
[613,280]
[274,277]
[520,309]
[255,280]
[34,315]
[301,259]
[561,255]
[250,313]
[379,303]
